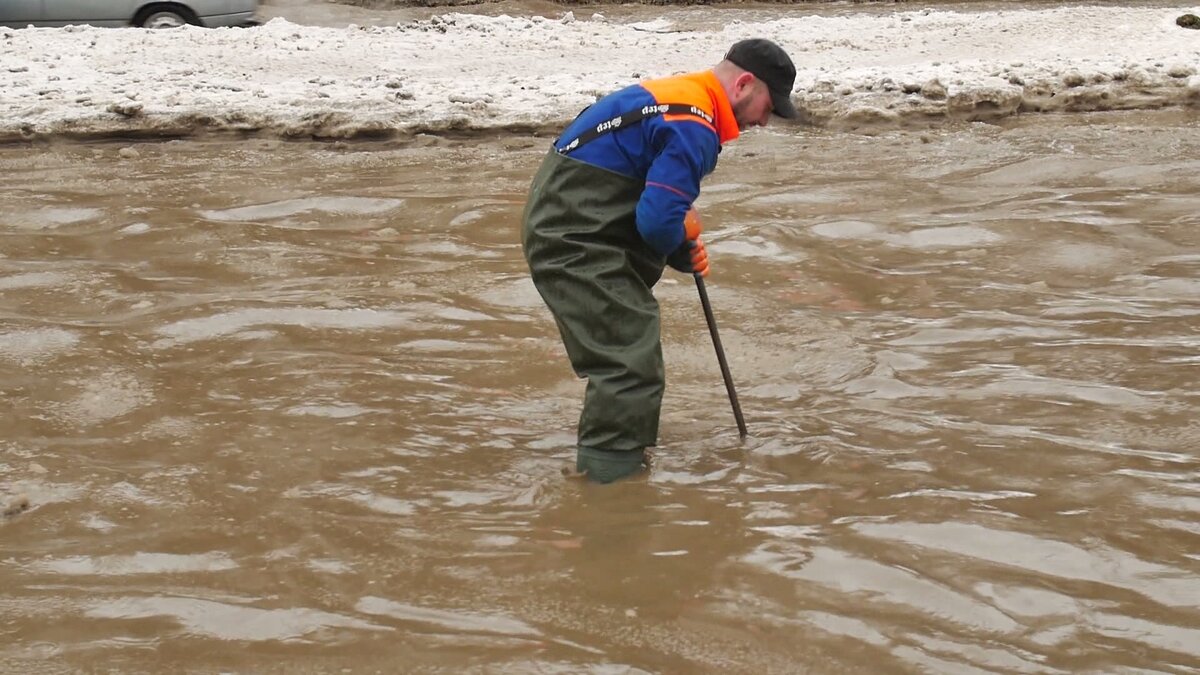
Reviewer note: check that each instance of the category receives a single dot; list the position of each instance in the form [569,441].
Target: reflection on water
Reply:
[303,399]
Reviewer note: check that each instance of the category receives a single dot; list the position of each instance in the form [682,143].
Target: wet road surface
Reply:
[295,407]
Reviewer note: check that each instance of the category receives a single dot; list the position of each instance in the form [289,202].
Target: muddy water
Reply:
[296,408]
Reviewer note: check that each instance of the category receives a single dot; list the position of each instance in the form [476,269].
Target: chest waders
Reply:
[595,273]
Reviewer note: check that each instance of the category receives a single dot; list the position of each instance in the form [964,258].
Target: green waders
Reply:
[595,272]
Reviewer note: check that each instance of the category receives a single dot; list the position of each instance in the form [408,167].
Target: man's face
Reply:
[752,102]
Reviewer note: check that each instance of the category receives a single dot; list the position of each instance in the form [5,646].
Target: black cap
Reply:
[768,62]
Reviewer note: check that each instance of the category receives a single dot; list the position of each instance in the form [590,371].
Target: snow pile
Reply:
[467,72]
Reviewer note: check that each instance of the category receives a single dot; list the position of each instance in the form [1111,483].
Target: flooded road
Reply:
[294,407]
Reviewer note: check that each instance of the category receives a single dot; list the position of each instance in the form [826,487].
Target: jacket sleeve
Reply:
[686,151]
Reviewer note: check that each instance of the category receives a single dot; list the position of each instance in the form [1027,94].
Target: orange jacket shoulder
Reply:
[702,90]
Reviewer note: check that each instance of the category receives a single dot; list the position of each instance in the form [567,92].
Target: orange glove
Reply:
[690,258]
[699,257]
[691,225]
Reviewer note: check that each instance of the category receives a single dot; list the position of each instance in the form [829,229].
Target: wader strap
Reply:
[634,117]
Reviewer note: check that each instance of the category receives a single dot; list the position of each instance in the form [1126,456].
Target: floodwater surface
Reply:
[296,407]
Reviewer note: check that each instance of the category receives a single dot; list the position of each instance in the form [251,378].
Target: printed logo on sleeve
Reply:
[610,124]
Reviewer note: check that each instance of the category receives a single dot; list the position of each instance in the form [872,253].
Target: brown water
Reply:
[297,408]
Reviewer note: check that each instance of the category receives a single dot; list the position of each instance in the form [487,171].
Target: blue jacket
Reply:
[670,152]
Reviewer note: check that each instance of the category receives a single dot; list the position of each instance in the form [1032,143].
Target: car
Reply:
[144,13]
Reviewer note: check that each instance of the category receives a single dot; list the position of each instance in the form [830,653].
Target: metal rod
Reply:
[712,330]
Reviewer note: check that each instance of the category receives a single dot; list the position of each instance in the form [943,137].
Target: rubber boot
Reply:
[606,466]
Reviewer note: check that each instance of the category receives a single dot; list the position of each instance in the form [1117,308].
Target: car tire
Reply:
[164,18]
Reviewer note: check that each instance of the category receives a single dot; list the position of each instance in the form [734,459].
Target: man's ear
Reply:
[742,81]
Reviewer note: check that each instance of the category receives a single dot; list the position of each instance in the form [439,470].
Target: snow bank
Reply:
[467,72]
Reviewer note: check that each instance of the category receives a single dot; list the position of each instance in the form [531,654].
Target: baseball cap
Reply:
[768,62]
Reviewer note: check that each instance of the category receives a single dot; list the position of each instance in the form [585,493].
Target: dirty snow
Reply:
[469,72]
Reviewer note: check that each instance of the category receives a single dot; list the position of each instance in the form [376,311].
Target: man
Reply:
[611,206]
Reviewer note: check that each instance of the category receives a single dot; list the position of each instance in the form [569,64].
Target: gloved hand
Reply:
[691,224]
[690,258]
